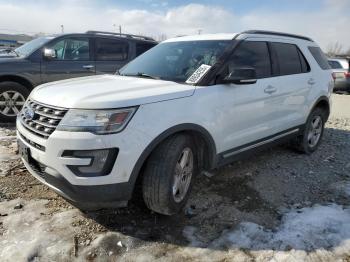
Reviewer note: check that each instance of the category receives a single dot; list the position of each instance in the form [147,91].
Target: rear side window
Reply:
[320,57]
[254,55]
[335,65]
[143,47]
[111,50]
[289,59]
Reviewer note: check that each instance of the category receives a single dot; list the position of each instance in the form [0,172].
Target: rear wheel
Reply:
[169,173]
[313,132]
[12,98]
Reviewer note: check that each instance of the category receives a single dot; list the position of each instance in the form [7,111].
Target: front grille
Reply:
[41,119]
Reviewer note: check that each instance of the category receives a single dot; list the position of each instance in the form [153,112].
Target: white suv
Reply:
[189,104]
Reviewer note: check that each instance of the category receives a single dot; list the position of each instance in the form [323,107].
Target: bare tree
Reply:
[162,37]
[334,49]
[348,52]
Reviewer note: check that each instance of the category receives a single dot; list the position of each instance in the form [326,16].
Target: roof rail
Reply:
[122,35]
[263,32]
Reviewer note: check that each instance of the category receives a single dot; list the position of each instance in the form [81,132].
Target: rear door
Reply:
[73,59]
[293,81]
[111,54]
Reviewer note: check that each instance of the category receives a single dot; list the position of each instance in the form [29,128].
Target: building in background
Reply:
[13,41]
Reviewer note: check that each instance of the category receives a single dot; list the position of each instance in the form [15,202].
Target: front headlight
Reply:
[96,121]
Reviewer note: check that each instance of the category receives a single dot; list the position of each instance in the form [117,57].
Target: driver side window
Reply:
[253,55]
[72,49]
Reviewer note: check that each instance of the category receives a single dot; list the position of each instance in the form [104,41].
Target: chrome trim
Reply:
[261,143]
[46,120]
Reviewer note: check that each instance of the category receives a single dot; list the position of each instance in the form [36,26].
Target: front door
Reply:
[73,59]
[247,109]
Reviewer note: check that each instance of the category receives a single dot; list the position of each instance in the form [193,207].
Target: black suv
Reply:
[49,58]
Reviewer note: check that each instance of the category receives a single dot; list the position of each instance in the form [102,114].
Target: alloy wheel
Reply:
[11,103]
[183,175]
[315,131]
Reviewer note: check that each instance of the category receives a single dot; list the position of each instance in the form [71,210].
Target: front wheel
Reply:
[169,173]
[313,132]
[12,98]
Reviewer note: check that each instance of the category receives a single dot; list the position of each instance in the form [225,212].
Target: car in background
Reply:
[341,74]
[52,58]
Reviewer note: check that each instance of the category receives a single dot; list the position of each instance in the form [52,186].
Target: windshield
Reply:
[175,61]
[31,46]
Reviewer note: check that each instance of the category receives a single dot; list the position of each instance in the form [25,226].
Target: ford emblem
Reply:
[29,113]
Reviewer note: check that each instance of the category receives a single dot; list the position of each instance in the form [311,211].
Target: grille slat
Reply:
[39,112]
[44,124]
[45,119]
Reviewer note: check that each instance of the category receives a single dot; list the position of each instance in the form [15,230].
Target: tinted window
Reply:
[335,65]
[288,58]
[252,55]
[110,49]
[72,49]
[143,47]
[320,57]
[305,67]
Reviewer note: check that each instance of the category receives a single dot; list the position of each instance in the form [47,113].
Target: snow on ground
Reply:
[318,232]
[305,229]
[30,233]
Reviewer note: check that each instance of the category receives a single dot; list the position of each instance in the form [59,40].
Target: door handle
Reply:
[88,66]
[311,81]
[270,89]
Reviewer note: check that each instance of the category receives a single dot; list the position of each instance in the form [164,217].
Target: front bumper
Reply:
[83,197]
[47,164]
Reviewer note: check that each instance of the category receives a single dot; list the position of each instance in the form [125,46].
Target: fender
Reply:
[173,130]
[19,79]
[323,99]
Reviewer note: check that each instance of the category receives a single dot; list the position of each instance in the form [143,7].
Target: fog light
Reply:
[101,164]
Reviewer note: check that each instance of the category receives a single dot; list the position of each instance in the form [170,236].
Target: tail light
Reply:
[347,75]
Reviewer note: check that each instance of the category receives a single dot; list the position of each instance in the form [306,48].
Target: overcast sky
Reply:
[327,21]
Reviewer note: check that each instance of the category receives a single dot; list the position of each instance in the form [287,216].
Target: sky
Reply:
[326,21]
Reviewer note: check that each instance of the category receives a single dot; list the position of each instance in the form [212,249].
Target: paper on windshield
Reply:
[198,74]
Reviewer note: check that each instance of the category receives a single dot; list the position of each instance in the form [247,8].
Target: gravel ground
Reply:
[277,204]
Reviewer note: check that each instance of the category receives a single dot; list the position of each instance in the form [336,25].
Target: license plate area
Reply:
[23,150]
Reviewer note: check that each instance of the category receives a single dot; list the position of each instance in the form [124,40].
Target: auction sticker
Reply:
[198,74]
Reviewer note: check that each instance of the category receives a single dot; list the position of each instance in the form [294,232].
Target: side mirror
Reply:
[49,53]
[241,76]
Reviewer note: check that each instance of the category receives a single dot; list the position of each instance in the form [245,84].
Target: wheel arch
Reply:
[18,79]
[199,133]
[322,102]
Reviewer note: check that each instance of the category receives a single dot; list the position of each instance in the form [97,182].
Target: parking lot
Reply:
[276,204]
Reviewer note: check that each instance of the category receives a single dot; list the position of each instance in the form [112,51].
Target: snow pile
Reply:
[305,229]
[30,234]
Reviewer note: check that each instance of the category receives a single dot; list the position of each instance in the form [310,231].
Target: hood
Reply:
[108,91]
[7,56]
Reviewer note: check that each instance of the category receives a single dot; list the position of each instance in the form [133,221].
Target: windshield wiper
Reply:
[140,74]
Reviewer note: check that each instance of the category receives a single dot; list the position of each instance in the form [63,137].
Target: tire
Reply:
[306,143]
[163,191]
[12,98]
